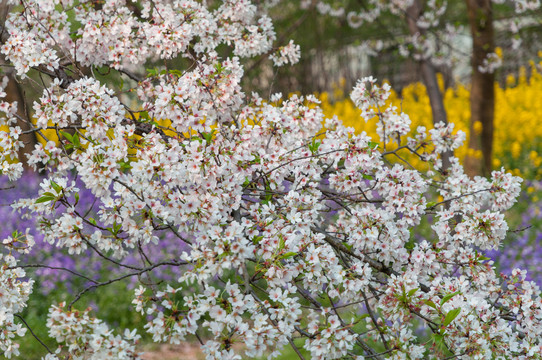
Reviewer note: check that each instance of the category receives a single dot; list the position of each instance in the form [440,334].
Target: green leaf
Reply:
[438,341]
[480,256]
[288,255]
[92,221]
[116,228]
[144,115]
[208,136]
[430,303]
[430,204]
[98,158]
[125,165]
[412,292]
[373,145]
[218,67]
[450,316]
[313,147]
[361,317]
[67,135]
[282,243]
[446,298]
[75,36]
[76,142]
[257,159]
[56,187]
[76,198]
[45,198]
[153,72]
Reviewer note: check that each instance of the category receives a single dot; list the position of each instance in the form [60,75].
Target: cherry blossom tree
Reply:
[300,233]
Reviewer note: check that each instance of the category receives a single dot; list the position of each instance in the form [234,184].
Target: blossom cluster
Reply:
[288,54]
[88,337]
[115,35]
[14,293]
[370,98]
[290,229]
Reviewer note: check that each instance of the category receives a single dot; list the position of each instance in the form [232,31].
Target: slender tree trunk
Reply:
[482,96]
[429,76]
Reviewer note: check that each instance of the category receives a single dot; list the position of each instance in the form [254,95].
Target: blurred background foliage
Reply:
[335,54]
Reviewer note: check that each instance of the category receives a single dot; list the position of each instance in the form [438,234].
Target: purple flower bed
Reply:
[523,250]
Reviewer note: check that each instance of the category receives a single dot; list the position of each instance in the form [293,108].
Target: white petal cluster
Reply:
[367,96]
[444,139]
[89,338]
[26,50]
[14,293]
[186,103]
[86,103]
[288,54]
[490,64]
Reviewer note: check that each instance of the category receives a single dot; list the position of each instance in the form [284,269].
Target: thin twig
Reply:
[33,334]
[142,271]
[53,268]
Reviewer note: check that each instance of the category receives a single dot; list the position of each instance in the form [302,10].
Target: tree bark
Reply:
[15,93]
[429,76]
[482,96]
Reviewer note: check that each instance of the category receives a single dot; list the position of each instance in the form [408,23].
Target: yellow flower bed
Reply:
[518,117]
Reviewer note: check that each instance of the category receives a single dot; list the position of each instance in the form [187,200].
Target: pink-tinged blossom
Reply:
[505,189]
[25,51]
[14,293]
[369,97]
[288,54]
[80,334]
[443,138]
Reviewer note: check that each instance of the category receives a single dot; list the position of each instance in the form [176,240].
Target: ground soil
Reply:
[173,352]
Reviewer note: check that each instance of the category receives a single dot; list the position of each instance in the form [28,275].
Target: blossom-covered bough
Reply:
[300,231]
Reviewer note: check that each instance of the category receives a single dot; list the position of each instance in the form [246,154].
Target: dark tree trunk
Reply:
[482,96]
